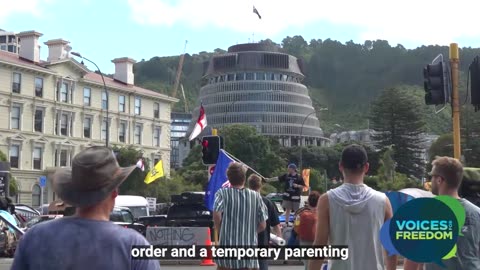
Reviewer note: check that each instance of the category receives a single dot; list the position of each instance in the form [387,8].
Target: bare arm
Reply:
[391,261]
[261,227]
[217,221]
[277,230]
[323,229]
[273,179]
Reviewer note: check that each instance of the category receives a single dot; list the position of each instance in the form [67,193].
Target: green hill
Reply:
[345,78]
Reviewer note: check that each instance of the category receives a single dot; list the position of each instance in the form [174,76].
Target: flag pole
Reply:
[238,160]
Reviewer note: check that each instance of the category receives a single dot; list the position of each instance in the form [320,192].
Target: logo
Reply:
[425,230]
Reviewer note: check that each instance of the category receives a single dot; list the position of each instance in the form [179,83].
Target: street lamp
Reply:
[107,135]
[301,134]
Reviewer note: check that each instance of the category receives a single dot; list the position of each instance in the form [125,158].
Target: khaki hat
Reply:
[94,174]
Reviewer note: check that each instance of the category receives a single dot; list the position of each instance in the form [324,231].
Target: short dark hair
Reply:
[450,169]
[313,198]
[236,173]
[354,157]
[254,182]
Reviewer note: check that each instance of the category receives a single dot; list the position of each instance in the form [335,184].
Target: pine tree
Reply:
[398,122]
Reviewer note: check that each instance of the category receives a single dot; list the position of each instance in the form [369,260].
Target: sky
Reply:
[102,30]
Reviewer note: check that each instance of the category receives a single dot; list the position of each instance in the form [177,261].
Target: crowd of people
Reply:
[349,215]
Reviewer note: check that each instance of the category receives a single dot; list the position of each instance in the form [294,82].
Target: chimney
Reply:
[124,70]
[57,49]
[29,47]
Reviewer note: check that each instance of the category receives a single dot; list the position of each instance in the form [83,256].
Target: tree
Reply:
[398,123]
[193,170]
[13,184]
[255,150]
[134,184]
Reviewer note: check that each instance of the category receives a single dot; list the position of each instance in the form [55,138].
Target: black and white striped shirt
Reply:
[243,210]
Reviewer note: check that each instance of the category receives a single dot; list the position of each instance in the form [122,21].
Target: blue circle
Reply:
[412,240]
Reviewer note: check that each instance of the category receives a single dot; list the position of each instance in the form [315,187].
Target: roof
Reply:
[92,77]
[96,78]
[14,59]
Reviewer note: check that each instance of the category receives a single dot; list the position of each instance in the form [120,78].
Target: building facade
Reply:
[50,110]
[9,42]
[179,128]
[257,85]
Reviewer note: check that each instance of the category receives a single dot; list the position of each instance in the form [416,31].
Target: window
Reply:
[16,112]
[156,110]
[104,129]
[156,136]
[138,105]
[121,103]
[104,100]
[240,77]
[87,127]
[17,82]
[138,134]
[64,92]
[38,87]
[122,132]
[63,125]
[14,156]
[37,158]
[230,77]
[87,94]
[38,122]
[250,76]
[36,194]
[260,76]
[63,158]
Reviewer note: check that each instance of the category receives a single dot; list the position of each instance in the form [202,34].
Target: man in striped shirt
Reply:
[239,215]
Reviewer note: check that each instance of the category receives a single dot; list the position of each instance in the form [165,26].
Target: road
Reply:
[6,263]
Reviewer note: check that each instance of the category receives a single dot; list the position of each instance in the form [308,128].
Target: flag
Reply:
[306,179]
[200,125]
[140,165]
[256,12]
[219,178]
[155,173]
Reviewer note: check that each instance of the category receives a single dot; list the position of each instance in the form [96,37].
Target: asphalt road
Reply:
[6,263]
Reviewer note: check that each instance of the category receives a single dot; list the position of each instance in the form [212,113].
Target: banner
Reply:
[306,179]
[155,173]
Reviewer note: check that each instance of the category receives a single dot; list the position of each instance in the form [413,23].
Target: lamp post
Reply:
[301,134]
[107,135]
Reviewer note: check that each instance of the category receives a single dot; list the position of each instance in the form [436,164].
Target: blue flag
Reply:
[218,179]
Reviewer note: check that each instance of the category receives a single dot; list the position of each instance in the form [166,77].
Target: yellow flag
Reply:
[306,178]
[155,173]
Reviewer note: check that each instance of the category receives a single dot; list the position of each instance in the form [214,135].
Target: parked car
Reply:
[25,212]
[36,220]
[153,221]
[189,210]
[123,216]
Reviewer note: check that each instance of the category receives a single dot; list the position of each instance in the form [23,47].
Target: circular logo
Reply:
[421,234]
[424,230]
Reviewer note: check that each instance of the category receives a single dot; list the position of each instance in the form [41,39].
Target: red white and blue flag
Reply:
[218,179]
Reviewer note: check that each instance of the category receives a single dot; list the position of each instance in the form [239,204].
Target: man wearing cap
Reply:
[294,185]
[352,215]
[87,240]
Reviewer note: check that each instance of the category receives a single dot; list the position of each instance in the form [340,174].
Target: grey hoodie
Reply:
[357,212]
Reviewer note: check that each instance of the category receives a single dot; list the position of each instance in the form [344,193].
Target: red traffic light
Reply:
[205,143]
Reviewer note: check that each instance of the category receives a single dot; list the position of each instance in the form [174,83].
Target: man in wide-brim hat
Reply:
[87,240]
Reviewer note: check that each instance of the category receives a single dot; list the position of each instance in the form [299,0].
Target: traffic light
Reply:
[475,83]
[437,82]
[211,146]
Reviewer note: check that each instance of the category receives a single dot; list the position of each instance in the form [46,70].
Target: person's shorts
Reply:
[290,205]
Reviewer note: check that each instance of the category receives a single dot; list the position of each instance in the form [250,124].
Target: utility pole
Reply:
[454,63]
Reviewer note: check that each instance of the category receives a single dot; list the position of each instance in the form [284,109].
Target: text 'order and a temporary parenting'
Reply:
[238,253]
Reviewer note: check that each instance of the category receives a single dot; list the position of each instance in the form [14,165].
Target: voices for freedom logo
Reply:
[425,230]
